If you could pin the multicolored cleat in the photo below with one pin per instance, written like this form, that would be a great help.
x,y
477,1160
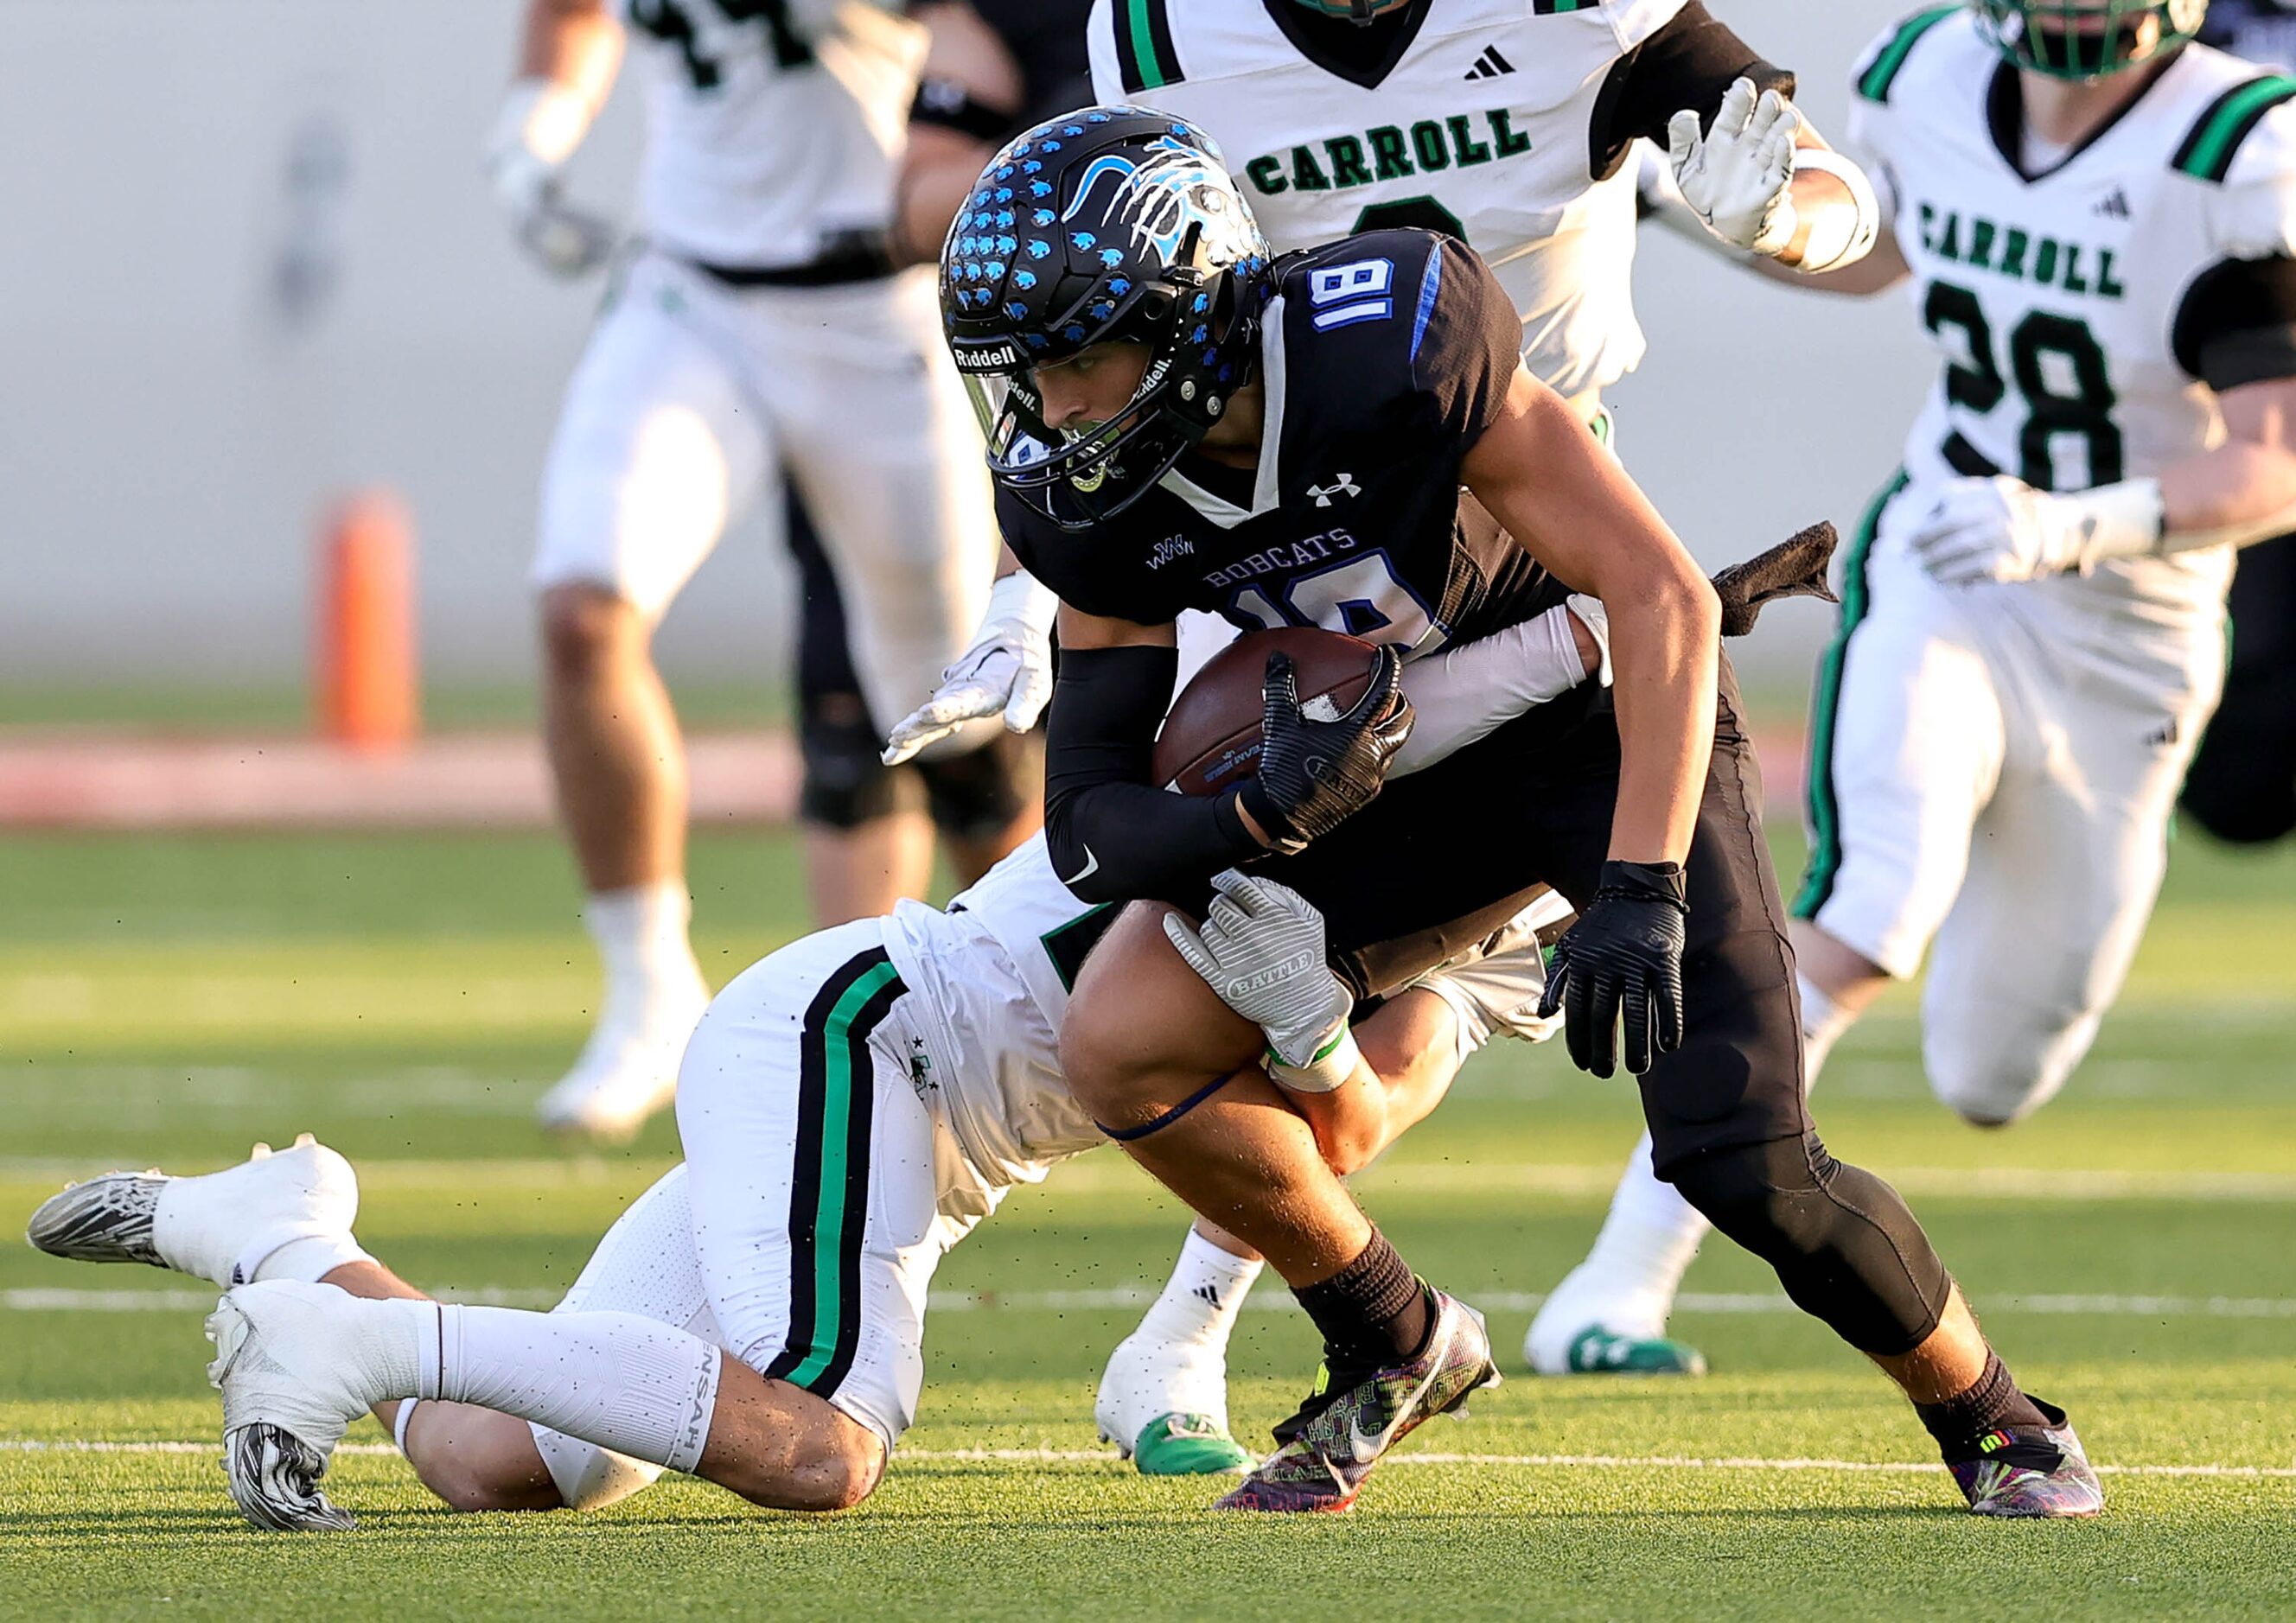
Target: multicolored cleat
x,y
2031,1471
1342,1431
1596,1351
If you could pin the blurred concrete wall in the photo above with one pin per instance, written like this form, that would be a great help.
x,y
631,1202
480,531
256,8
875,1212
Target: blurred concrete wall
x,y
247,259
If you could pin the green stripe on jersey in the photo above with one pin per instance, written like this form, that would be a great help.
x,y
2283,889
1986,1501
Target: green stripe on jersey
x,y
2208,152
1556,8
1874,83
1145,57
1825,811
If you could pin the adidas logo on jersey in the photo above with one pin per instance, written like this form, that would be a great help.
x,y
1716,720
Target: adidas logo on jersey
x,y
1489,65
2115,206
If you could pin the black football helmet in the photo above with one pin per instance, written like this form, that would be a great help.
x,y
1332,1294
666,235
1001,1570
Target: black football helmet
x,y
1111,223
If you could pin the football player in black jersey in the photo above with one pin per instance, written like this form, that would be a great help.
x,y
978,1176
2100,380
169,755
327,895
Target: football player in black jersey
x,y
2242,786
1184,425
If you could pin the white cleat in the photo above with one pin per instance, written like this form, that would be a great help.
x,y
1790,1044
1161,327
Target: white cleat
x,y
1164,1405
216,1227
627,1074
296,1364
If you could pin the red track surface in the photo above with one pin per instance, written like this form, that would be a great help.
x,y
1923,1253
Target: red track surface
x,y
103,780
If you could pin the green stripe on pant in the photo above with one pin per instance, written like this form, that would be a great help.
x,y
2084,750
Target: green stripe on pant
x,y
829,1185
1825,811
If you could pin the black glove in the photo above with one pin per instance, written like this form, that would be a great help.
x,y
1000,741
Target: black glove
x,y
1314,775
1623,955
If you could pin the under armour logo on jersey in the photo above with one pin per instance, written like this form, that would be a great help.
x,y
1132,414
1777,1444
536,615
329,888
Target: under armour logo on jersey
x,y
1489,65
1345,485
2115,205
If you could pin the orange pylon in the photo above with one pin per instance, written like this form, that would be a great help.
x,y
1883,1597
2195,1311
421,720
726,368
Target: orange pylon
x,y
365,672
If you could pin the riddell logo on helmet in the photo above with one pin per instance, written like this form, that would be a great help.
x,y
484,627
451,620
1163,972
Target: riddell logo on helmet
x,y
994,357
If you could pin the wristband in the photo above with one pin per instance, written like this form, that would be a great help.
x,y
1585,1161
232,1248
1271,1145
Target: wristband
x,y
1326,1073
1833,240
541,123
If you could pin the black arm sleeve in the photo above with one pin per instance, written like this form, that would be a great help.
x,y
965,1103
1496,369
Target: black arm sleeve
x,y
1113,835
1690,63
2237,324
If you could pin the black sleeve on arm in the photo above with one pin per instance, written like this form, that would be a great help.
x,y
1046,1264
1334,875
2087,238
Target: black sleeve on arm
x,y
1467,355
1690,63
2237,324
1113,834
948,104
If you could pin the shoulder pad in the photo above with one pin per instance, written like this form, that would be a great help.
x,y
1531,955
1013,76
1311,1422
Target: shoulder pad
x,y
2215,139
1877,70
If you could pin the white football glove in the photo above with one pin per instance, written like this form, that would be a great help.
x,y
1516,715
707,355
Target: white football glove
x,y
1262,948
1738,177
1008,670
540,124
2002,529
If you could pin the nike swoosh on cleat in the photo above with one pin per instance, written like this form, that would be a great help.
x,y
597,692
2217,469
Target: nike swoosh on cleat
x,y
1368,1448
1091,866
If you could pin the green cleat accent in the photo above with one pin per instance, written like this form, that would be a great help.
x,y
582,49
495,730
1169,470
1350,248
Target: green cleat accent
x,y
1596,1351
1188,1445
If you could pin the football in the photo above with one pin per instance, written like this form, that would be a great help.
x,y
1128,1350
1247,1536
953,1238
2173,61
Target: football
x,y
1211,738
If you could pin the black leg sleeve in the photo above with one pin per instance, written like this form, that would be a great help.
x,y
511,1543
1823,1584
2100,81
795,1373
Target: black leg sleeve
x,y
1844,1245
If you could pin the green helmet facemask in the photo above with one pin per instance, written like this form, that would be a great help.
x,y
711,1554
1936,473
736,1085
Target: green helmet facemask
x,y
2087,39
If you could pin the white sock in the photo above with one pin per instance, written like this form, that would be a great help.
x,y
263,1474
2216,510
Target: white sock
x,y
308,1260
642,934
1206,1291
629,1384
1822,1022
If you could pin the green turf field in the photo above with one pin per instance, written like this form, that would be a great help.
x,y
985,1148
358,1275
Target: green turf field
x,y
168,1000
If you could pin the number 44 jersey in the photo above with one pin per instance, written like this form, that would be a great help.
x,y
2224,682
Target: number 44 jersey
x,y
2087,308
773,126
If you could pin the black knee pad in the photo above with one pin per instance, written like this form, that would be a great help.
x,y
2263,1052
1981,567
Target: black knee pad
x,y
845,785
976,795
1843,1244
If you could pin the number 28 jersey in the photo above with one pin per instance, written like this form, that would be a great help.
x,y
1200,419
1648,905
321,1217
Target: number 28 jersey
x,y
2074,308
773,126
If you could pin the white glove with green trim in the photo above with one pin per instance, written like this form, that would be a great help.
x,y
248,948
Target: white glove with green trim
x,y
1262,948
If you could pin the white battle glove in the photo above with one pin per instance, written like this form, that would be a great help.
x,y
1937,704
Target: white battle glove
x,y
1738,177
1008,670
1262,948
540,124
2002,529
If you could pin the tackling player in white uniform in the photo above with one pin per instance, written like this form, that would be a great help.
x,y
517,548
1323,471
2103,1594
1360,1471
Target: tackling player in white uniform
x,y
760,327
1506,123
851,1106
2096,221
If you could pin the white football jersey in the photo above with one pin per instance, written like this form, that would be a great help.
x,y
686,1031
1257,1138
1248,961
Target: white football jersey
x,y
773,129
994,972
2053,301
1481,127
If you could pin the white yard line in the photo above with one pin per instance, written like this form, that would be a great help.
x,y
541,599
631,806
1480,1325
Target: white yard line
x,y
56,1300
1102,1456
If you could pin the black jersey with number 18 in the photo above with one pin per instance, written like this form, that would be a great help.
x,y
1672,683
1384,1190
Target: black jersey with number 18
x,y
1383,358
